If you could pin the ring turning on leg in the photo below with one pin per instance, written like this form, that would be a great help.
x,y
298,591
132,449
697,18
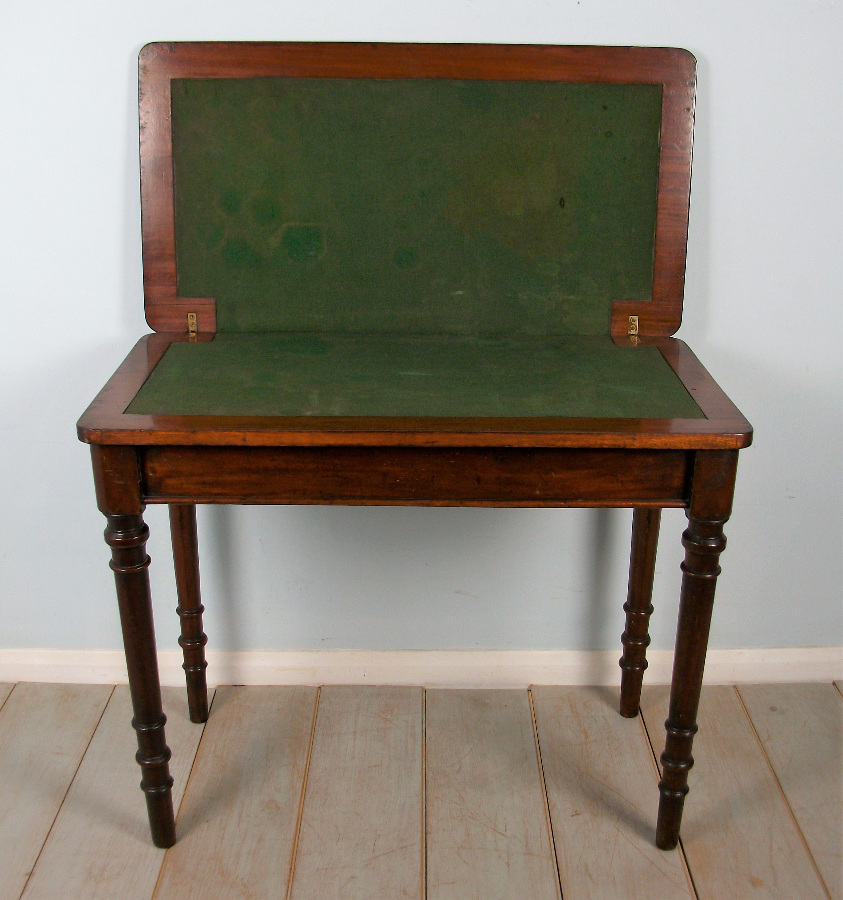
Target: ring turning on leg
x,y
190,609
638,607
127,536
704,542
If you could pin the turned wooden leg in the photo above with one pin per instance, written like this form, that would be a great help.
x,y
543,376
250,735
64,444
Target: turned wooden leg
x,y
190,609
127,535
638,607
711,502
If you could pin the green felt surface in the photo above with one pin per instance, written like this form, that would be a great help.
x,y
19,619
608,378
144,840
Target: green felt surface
x,y
414,205
405,375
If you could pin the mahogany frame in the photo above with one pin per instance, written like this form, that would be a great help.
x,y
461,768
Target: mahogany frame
x,y
646,464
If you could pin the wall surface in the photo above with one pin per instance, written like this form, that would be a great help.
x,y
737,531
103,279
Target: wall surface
x,y
762,310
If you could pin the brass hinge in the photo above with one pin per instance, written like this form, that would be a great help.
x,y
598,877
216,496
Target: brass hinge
x,y
632,329
191,326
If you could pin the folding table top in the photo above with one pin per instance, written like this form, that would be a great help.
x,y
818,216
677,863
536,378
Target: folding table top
x,y
356,232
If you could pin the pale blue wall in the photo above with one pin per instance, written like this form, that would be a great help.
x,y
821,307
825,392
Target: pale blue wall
x,y
763,310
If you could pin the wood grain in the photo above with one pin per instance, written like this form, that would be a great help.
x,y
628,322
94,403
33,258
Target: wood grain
x,y
44,732
488,834
415,475
602,791
738,835
99,847
801,729
361,827
238,818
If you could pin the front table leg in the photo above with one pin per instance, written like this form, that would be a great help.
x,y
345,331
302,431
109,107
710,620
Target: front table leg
x,y
127,536
711,502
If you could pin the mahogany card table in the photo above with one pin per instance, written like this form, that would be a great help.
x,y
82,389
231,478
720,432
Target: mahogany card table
x,y
419,275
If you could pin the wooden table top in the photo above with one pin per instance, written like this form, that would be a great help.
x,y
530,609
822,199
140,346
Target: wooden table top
x,y
711,421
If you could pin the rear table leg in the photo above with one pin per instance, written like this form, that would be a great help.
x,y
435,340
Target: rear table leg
x,y
638,607
190,609
127,536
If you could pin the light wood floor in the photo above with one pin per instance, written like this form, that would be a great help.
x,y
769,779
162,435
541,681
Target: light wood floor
x,y
393,792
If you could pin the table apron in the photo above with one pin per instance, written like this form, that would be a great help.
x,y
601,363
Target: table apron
x,y
416,475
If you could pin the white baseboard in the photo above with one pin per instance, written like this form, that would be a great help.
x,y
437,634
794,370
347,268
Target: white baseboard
x,y
433,668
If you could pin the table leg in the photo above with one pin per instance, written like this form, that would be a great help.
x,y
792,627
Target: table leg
x,y
710,507
638,607
190,608
127,536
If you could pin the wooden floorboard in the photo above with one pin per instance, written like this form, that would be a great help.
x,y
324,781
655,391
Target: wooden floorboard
x,y
738,835
99,847
488,837
44,732
356,773
361,827
602,790
237,820
800,727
